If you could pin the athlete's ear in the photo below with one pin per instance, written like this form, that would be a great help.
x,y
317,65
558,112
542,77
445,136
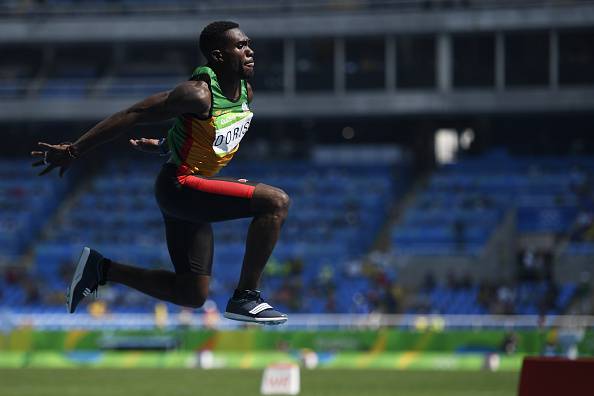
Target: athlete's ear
x,y
217,56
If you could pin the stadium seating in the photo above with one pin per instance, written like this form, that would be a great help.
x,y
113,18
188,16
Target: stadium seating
x,y
525,298
335,215
26,203
464,203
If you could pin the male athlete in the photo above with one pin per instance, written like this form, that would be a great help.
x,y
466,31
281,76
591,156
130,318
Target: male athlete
x,y
211,117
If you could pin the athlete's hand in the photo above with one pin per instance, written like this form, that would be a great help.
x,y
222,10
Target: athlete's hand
x,y
55,156
146,145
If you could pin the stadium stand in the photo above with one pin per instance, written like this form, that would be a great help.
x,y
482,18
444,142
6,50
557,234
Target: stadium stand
x,y
26,203
324,261
465,202
57,7
18,67
321,263
337,212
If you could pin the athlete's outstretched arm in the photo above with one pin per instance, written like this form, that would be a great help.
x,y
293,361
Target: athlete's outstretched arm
x,y
188,97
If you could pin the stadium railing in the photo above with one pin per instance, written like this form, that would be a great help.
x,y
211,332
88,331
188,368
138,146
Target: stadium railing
x,y
66,321
90,7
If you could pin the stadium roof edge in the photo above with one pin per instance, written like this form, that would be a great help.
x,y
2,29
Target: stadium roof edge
x,y
186,27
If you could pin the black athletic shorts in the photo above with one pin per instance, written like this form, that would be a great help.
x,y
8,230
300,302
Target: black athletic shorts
x,y
189,204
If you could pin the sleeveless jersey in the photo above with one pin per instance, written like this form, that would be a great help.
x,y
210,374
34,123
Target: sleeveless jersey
x,y
204,146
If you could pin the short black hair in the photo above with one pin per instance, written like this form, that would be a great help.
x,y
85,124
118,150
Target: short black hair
x,y
213,35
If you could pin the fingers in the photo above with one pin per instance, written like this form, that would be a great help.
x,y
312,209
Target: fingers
x,y
141,141
56,158
49,168
49,146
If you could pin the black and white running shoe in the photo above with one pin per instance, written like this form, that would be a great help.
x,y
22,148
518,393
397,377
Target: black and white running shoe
x,y
248,306
87,278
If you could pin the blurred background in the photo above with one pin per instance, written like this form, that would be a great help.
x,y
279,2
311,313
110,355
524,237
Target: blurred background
x,y
438,153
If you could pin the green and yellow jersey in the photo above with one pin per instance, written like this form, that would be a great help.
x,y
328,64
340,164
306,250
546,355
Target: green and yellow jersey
x,y
204,146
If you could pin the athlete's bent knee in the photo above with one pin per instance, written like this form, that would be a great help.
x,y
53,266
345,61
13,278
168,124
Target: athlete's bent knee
x,y
190,292
195,301
271,201
280,202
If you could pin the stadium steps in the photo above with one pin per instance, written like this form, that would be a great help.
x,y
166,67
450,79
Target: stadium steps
x,y
497,249
52,224
398,209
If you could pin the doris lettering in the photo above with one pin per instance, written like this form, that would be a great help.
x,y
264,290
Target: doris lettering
x,y
226,139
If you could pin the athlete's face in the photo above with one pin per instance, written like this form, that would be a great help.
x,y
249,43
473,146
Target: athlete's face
x,y
239,57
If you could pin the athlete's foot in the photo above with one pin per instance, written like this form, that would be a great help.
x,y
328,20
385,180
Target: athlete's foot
x,y
87,278
248,306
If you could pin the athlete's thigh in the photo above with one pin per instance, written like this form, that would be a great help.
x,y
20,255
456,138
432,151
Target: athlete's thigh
x,y
215,199
226,198
199,199
191,246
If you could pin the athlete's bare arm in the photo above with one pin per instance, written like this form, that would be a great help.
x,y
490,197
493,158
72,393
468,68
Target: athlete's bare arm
x,y
152,145
188,97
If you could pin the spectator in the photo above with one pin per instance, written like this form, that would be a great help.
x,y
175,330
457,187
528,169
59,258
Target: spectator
x,y
510,343
459,231
428,282
505,300
31,289
549,300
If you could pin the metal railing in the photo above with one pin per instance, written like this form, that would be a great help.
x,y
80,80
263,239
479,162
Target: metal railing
x,y
52,321
240,7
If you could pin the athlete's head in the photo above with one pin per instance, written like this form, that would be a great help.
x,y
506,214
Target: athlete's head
x,y
225,46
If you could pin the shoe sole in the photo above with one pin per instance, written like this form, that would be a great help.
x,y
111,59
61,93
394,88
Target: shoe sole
x,y
80,268
266,321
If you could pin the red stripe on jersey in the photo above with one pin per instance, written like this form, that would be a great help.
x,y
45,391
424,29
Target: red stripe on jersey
x,y
187,146
221,187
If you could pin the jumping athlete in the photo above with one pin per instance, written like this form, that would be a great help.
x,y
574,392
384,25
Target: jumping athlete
x,y
212,115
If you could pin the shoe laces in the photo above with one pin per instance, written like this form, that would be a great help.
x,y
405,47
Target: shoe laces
x,y
253,295
88,291
95,289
